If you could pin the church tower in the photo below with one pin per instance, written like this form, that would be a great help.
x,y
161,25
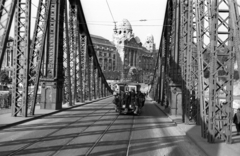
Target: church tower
x,y
149,43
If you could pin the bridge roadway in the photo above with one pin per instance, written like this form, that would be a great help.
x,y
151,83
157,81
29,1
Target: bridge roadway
x,y
96,129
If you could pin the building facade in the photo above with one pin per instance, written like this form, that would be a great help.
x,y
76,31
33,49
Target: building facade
x,y
8,57
107,57
136,62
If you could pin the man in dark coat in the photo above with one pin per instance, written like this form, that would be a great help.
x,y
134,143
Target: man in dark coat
x,y
236,120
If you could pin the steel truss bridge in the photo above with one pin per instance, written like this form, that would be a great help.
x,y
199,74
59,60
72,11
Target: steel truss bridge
x,y
198,48
60,56
198,37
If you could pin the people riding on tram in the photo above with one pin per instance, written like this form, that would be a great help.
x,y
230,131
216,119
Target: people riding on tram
x,y
129,98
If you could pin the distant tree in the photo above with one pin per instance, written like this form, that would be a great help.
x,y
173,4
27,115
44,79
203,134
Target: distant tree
x,y
4,78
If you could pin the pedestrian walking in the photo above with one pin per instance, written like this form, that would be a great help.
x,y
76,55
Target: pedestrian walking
x,y
236,120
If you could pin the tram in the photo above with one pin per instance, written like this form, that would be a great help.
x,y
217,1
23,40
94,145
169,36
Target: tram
x,y
128,98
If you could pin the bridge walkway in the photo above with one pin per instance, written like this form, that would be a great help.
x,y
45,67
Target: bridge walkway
x,y
96,129
193,132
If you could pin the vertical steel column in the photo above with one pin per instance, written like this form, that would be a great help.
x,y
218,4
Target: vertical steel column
x,y
67,61
52,81
94,80
6,17
74,54
195,68
167,37
87,79
94,77
79,57
100,86
37,51
173,41
192,66
104,90
221,75
173,73
83,51
97,83
103,86
188,65
185,44
21,58
203,45
160,72
163,60
182,41
90,75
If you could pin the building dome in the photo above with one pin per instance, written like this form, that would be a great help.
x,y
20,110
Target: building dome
x,y
124,24
137,39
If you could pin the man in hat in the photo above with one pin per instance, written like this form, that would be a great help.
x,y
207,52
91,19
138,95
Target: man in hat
x,y
236,120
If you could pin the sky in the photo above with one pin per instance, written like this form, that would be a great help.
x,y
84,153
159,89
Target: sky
x,y
100,17
100,21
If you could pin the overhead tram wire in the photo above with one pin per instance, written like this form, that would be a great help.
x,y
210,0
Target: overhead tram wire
x,y
111,14
34,5
139,20
113,25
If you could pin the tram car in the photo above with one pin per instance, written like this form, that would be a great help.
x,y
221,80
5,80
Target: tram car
x,y
128,98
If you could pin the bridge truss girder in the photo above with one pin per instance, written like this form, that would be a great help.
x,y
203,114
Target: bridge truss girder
x,y
61,59
208,41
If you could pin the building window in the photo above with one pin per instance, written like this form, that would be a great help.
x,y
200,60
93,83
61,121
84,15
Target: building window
x,y
100,61
114,66
105,54
113,56
110,64
100,53
105,64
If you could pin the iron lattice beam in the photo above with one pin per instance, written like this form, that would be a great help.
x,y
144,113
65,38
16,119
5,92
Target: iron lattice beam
x,y
74,52
185,34
221,73
53,76
37,51
21,58
69,64
203,49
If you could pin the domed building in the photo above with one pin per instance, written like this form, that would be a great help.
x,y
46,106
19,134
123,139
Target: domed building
x,y
132,53
124,53
122,31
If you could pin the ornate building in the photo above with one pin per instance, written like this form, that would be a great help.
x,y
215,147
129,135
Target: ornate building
x,y
107,57
136,61
8,57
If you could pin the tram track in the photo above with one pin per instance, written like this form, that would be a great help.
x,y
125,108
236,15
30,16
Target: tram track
x,y
98,140
100,137
130,137
105,131
48,135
